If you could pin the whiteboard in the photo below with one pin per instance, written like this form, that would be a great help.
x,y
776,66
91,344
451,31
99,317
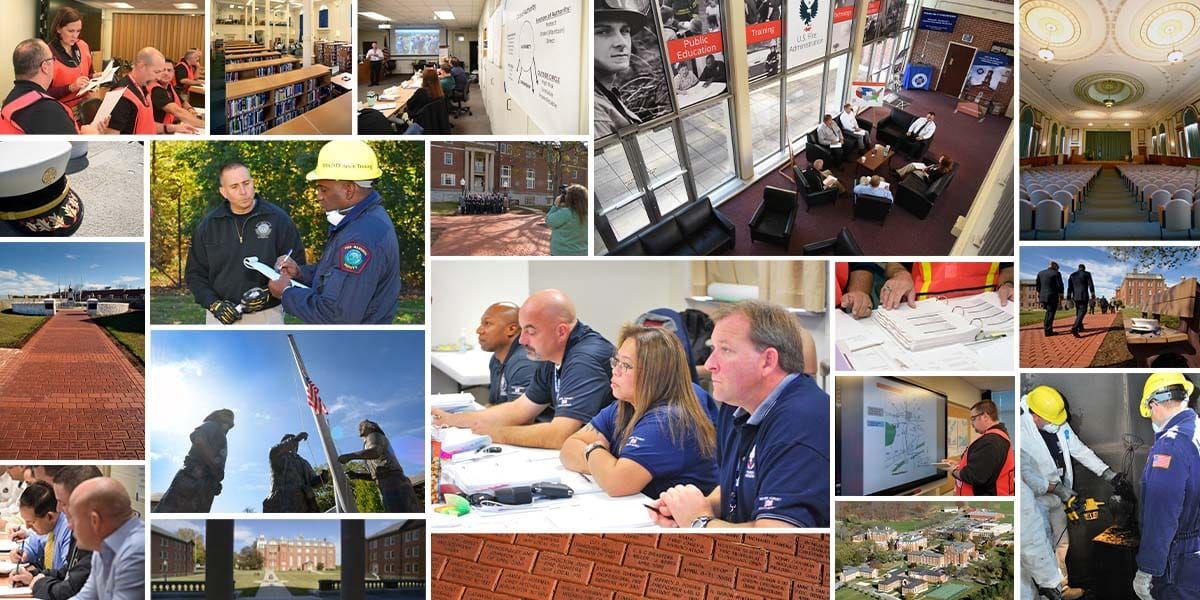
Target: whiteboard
x,y
494,48
541,61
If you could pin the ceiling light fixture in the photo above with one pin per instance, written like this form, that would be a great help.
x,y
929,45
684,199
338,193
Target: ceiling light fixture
x,y
1175,56
1089,124
1127,124
124,5
444,15
186,6
385,26
1046,54
375,16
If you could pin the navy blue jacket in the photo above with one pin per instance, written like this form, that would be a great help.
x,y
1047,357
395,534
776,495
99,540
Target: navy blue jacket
x,y
1170,546
357,279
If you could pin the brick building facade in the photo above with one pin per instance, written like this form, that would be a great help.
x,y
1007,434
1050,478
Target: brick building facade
x,y
518,168
297,554
1138,289
397,552
931,47
170,555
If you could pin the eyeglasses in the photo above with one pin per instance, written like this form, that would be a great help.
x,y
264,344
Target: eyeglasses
x,y
619,366
973,417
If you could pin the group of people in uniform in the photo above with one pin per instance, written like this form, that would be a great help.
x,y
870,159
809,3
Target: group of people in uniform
x,y
51,96
356,280
634,417
483,204
294,482
1168,555
62,516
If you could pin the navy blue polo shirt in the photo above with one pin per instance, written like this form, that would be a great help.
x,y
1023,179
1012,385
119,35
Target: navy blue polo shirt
x,y
669,462
774,463
510,379
579,388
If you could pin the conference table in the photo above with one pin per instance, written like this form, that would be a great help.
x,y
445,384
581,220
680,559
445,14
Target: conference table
x,y
864,345
6,588
391,101
467,369
590,508
331,118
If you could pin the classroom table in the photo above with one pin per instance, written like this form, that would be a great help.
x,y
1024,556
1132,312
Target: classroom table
x,y
331,118
590,509
392,100
995,354
197,94
467,369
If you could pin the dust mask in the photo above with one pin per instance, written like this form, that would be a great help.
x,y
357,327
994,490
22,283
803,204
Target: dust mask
x,y
1050,428
334,217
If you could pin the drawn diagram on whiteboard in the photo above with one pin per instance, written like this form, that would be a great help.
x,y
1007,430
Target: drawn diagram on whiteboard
x,y
526,64
899,427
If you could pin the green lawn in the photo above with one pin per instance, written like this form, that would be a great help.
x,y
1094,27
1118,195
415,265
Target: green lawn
x,y
246,582
847,593
170,306
16,329
1032,317
129,329
951,589
445,209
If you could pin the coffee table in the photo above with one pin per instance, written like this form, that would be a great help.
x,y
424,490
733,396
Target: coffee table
x,y
872,161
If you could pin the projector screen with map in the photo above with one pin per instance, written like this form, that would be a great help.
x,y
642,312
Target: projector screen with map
x,y
416,42
891,433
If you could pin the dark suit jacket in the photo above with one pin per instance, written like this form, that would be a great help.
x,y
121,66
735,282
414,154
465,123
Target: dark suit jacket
x,y
64,583
1049,286
1081,287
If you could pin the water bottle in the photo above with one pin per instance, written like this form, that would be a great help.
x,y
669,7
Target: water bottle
x,y
371,98
462,340
887,149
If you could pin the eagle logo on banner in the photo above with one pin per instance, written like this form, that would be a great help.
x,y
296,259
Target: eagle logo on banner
x,y
808,12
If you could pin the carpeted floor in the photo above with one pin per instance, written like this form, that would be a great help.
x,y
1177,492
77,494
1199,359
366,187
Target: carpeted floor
x,y
1110,212
965,140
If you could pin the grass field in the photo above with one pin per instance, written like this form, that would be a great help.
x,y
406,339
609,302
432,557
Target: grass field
x,y
16,329
443,208
846,593
169,306
297,582
129,329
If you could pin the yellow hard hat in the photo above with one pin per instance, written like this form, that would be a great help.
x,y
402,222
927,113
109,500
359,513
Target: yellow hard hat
x,y
1158,381
346,160
1048,404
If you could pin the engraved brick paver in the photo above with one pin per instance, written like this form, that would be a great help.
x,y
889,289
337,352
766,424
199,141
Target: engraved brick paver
x,y
72,384
675,566
1065,350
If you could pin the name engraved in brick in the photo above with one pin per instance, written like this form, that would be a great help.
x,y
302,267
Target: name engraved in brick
x,y
620,579
560,566
795,567
470,574
695,545
652,559
714,573
666,587
573,591
594,547
526,585
773,543
544,541
457,546
507,556
741,555
764,584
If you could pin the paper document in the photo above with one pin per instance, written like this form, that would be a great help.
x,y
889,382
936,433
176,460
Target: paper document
x,y
983,310
452,402
458,439
932,323
107,106
919,166
835,145
251,262
20,592
109,72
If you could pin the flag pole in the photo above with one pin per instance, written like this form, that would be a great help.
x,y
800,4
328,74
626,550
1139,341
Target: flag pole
x,y
343,500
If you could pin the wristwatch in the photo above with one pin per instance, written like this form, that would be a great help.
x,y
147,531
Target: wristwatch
x,y
701,521
587,450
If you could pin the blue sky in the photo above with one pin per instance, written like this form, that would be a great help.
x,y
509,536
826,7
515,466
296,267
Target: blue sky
x,y
38,268
1107,273
245,531
361,374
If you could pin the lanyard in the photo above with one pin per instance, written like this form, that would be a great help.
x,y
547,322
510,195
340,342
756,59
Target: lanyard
x,y
745,443
556,384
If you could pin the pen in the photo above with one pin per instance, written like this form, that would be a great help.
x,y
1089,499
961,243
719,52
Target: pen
x,y
651,507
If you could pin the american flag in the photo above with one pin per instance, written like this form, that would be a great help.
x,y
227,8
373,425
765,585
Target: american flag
x,y
314,397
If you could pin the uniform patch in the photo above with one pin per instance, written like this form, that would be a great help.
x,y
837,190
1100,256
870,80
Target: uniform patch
x,y
354,257
1161,461
262,230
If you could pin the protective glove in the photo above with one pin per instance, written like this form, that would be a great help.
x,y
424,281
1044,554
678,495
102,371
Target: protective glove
x,y
1141,585
224,311
1063,492
1108,475
1119,481
256,299
1050,593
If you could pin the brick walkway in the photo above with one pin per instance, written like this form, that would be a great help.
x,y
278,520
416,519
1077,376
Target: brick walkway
x,y
670,566
72,394
1065,350
509,234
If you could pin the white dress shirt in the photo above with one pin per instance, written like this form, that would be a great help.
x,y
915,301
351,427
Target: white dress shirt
x,y
848,120
922,128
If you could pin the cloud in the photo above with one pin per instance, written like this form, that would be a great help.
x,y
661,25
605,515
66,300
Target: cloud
x,y
93,266
70,256
243,536
127,279
14,283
